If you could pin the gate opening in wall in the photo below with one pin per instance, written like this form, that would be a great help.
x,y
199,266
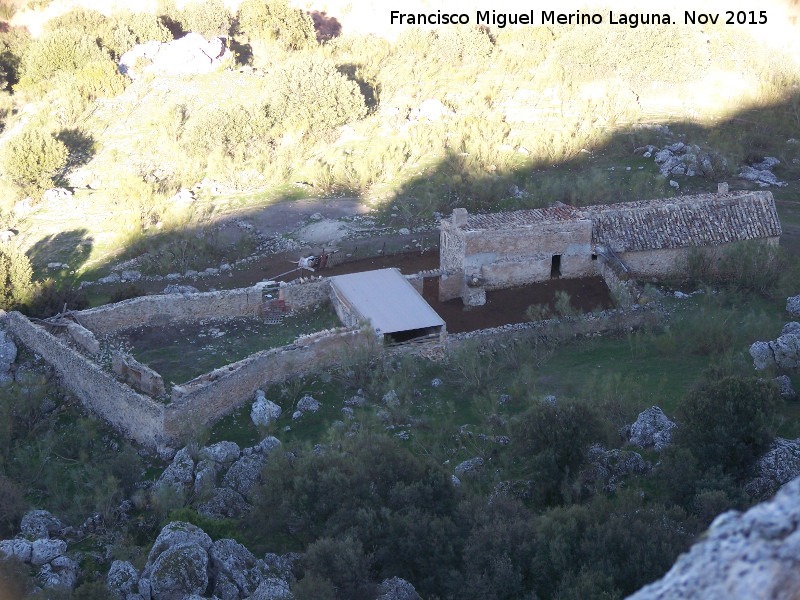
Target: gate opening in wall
x,y
555,266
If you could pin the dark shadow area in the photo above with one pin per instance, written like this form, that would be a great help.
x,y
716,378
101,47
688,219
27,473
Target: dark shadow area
x,y
81,146
242,52
368,90
174,27
69,247
326,27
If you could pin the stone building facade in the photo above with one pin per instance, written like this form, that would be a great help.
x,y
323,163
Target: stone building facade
x,y
646,239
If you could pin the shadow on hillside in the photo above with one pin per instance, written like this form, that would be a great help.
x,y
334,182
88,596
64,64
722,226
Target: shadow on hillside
x,y
326,27
600,176
69,247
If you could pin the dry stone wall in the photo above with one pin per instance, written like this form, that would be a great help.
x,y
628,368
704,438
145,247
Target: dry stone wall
x,y
137,416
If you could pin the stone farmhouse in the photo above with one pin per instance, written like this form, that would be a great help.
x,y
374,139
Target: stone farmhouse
x,y
645,239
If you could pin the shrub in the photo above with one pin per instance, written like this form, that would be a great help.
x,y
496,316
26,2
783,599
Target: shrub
x,y
228,129
209,18
312,93
126,292
32,158
97,79
49,298
12,507
60,51
729,422
342,562
15,277
276,21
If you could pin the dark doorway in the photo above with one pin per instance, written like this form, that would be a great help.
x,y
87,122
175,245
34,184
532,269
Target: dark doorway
x,y
555,267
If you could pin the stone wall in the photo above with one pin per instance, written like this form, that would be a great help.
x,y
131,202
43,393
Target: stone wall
x,y
135,415
211,396
161,309
306,293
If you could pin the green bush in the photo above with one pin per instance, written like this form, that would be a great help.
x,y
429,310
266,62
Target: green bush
x,y
63,50
729,422
32,158
342,562
49,298
97,79
12,507
312,94
229,129
15,277
209,18
14,43
276,21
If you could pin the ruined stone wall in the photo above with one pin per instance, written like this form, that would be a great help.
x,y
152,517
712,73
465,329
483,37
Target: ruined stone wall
x,y
620,290
309,292
137,416
161,309
212,396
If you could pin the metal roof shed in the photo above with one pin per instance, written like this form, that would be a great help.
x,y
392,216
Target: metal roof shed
x,y
388,301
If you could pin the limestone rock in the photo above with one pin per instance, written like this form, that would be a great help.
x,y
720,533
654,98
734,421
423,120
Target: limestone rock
x,y
221,453
122,579
205,476
237,564
264,411
750,556
8,352
652,429
308,404
191,54
174,534
56,194
390,399
44,550
267,445
780,464
793,327
281,565
224,503
245,474
272,589
786,349
38,524
179,571
785,385
469,467
793,305
174,288
180,473
763,357
62,572
397,589
18,548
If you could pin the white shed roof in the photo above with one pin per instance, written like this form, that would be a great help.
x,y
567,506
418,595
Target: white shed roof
x,y
386,299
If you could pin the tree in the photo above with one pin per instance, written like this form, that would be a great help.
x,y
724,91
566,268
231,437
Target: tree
x,y
209,18
15,277
276,21
62,50
32,158
729,423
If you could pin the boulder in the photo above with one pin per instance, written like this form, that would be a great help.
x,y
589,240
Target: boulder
x,y
786,349
174,534
397,589
780,464
785,386
235,563
267,445
763,358
469,467
245,473
793,327
272,589
130,275
38,524
264,412
18,548
8,352
652,429
224,503
221,453
762,177
390,399
179,571
122,579
190,54
180,473
44,550
205,477
281,565
742,556
62,572
308,404
793,305
56,194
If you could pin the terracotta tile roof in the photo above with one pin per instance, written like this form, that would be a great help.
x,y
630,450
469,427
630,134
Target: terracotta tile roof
x,y
523,218
702,220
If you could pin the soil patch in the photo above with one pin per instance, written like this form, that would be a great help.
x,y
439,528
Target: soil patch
x,y
508,306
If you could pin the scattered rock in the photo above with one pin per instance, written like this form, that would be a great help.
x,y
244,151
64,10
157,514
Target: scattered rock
x,y
122,579
272,589
308,404
348,413
113,278
762,355
183,195
793,306
62,572
264,412
245,473
179,571
356,401
397,589
267,445
8,352
130,275
18,548
780,464
177,533
224,503
390,399
761,173
235,562
56,194
180,473
652,429
749,556
469,467
221,453
37,524
430,109
785,384
44,550
436,382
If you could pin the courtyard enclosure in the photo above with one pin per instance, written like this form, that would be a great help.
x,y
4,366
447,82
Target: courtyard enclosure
x,y
646,239
388,302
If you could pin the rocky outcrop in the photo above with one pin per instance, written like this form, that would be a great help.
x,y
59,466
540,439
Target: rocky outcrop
x,y
397,589
761,172
652,429
178,571
264,411
37,524
191,54
8,352
782,352
780,464
743,556
122,579
469,467
180,473
685,159
785,385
